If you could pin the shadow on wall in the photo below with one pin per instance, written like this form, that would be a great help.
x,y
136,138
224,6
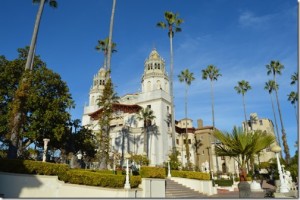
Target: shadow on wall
x,y
12,186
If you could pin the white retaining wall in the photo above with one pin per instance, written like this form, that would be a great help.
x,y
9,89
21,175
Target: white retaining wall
x,y
42,186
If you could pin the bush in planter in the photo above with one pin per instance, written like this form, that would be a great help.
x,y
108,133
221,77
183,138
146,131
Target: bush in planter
x,y
191,175
31,167
98,179
152,172
223,182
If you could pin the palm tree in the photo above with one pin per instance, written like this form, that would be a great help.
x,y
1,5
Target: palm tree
x,y
110,43
242,146
52,3
212,73
271,86
147,115
242,88
274,68
103,46
293,98
187,77
172,23
294,78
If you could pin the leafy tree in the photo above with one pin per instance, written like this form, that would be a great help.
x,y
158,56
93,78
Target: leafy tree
x,y
173,24
103,46
270,86
146,115
174,162
275,67
20,97
187,77
103,137
43,114
242,88
84,141
242,146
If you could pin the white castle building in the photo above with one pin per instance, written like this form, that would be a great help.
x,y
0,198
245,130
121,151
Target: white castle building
x,y
126,129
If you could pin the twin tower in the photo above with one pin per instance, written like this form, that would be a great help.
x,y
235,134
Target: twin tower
x,y
127,131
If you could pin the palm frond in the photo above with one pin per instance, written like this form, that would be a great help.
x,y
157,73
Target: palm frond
x,y
53,3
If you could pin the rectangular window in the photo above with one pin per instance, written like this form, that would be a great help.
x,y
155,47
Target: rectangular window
x,y
190,142
260,122
184,141
177,141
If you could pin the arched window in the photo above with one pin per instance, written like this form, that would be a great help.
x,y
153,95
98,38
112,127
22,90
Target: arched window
x,y
148,86
158,66
92,100
158,84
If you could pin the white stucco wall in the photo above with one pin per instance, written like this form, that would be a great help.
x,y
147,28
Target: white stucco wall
x,y
40,186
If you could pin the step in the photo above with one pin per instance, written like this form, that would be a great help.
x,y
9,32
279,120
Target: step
x,y
176,190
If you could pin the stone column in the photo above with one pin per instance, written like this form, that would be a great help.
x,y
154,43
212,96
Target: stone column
x,y
46,140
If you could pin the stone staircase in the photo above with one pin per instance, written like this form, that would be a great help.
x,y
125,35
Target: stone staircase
x,y
176,190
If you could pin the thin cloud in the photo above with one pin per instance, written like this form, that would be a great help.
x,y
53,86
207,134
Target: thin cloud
x,y
249,19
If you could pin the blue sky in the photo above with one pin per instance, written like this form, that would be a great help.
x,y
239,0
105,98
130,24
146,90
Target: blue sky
x,y
238,36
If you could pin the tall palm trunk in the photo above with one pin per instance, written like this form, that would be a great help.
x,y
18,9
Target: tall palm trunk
x,y
213,118
146,138
171,93
284,141
296,114
34,36
245,115
275,119
187,149
212,104
110,35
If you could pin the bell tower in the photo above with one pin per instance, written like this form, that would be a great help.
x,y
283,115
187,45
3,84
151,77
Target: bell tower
x,y
95,92
155,77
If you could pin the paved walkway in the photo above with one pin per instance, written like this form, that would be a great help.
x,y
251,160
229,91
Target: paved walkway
x,y
235,195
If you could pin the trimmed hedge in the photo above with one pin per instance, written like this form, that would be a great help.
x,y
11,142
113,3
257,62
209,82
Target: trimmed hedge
x,y
102,178
152,172
98,179
32,167
223,182
191,175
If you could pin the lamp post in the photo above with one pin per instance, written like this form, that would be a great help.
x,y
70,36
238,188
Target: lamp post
x,y
169,169
46,140
283,188
127,184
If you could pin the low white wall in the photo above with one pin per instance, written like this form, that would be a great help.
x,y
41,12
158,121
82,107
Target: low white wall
x,y
202,186
153,188
41,186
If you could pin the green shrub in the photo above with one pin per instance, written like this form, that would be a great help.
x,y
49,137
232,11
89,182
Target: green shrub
x,y
191,175
223,182
102,178
152,172
98,179
31,167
